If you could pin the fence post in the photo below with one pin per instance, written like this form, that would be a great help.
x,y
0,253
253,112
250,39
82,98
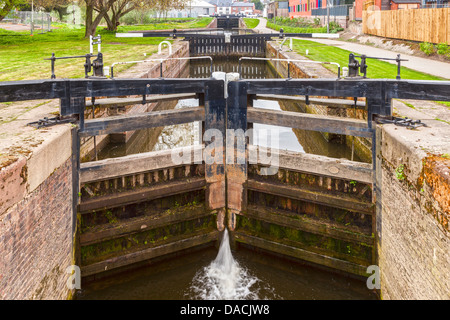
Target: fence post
x,y
32,18
328,18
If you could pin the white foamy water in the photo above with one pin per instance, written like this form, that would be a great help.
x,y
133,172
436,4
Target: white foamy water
x,y
225,279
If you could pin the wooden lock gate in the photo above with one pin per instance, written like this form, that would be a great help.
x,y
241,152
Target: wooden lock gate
x,y
138,207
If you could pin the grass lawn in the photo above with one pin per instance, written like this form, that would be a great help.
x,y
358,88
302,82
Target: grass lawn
x,y
21,55
377,69
251,23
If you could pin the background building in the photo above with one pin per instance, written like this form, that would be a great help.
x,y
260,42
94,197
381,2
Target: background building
x,y
242,8
223,7
194,8
277,9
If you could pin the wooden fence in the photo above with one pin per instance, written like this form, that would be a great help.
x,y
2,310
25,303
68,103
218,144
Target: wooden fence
x,y
423,25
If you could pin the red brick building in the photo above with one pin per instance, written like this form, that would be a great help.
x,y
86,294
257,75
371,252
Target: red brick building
x,y
385,5
302,8
242,7
405,4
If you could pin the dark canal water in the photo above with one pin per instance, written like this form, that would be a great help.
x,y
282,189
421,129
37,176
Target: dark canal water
x,y
223,274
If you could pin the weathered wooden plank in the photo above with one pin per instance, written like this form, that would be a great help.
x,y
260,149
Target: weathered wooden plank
x,y
32,90
214,138
142,162
142,224
369,88
122,102
315,87
76,88
299,222
341,103
322,198
124,123
305,121
149,253
142,194
309,256
52,89
316,164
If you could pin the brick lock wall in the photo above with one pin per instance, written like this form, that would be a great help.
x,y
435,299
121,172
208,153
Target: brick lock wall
x,y
414,239
414,252
35,241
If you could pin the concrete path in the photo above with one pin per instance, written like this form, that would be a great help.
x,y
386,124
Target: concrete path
x,y
261,27
433,67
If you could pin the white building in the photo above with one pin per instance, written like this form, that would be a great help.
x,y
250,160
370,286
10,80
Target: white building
x,y
223,6
193,9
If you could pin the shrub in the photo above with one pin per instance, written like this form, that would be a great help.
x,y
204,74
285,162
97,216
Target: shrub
x,y
335,27
427,48
443,49
136,17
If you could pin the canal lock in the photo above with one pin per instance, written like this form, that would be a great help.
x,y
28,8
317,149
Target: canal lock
x,y
127,221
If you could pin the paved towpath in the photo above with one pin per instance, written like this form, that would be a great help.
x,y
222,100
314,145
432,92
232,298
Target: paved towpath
x,y
433,67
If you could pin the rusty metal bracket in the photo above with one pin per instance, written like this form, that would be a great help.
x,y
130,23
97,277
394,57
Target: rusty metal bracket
x,y
403,122
48,122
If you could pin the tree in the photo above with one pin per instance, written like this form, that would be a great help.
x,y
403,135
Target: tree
x,y
60,6
95,12
258,4
113,10
118,9
7,5
164,6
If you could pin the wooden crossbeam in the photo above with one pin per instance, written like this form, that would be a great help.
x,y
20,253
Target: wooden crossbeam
x,y
300,253
141,224
296,221
150,252
305,121
122,102
316,164
299,193
340,103
136,195
137,163
146,120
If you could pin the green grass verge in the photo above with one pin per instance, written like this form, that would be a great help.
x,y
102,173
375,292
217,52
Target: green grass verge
x,y
287,29
445,103
251,23
377,69
22,56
